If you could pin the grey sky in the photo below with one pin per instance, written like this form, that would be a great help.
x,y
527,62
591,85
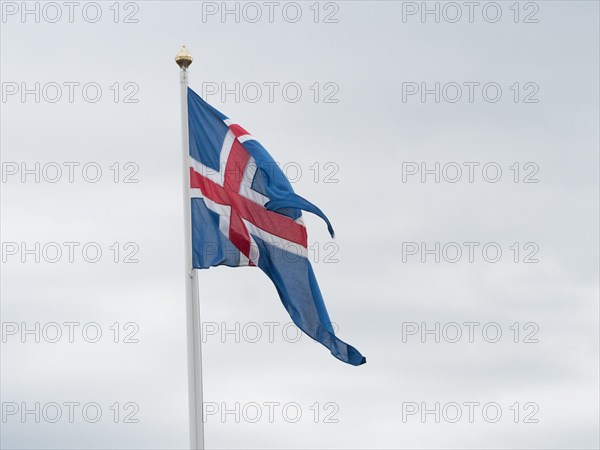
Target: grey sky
x,y
361,132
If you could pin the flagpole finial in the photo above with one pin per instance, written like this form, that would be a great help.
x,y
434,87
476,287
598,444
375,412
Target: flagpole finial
x,y
183,58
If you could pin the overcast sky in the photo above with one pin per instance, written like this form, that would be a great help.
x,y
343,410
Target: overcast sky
x,y
364,104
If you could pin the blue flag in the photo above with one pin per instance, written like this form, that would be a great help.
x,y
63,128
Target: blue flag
x,y
245,213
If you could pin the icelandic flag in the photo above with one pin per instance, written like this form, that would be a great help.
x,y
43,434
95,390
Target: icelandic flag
x,y
245,213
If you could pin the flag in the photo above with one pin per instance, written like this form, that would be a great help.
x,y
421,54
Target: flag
x,y
245,213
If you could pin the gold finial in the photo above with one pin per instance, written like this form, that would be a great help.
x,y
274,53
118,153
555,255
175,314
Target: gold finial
x,y
183,58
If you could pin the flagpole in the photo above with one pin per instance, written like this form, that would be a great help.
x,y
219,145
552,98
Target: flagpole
x,y
183,60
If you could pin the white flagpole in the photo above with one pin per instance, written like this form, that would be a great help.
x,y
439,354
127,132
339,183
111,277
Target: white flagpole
x,y
183,60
